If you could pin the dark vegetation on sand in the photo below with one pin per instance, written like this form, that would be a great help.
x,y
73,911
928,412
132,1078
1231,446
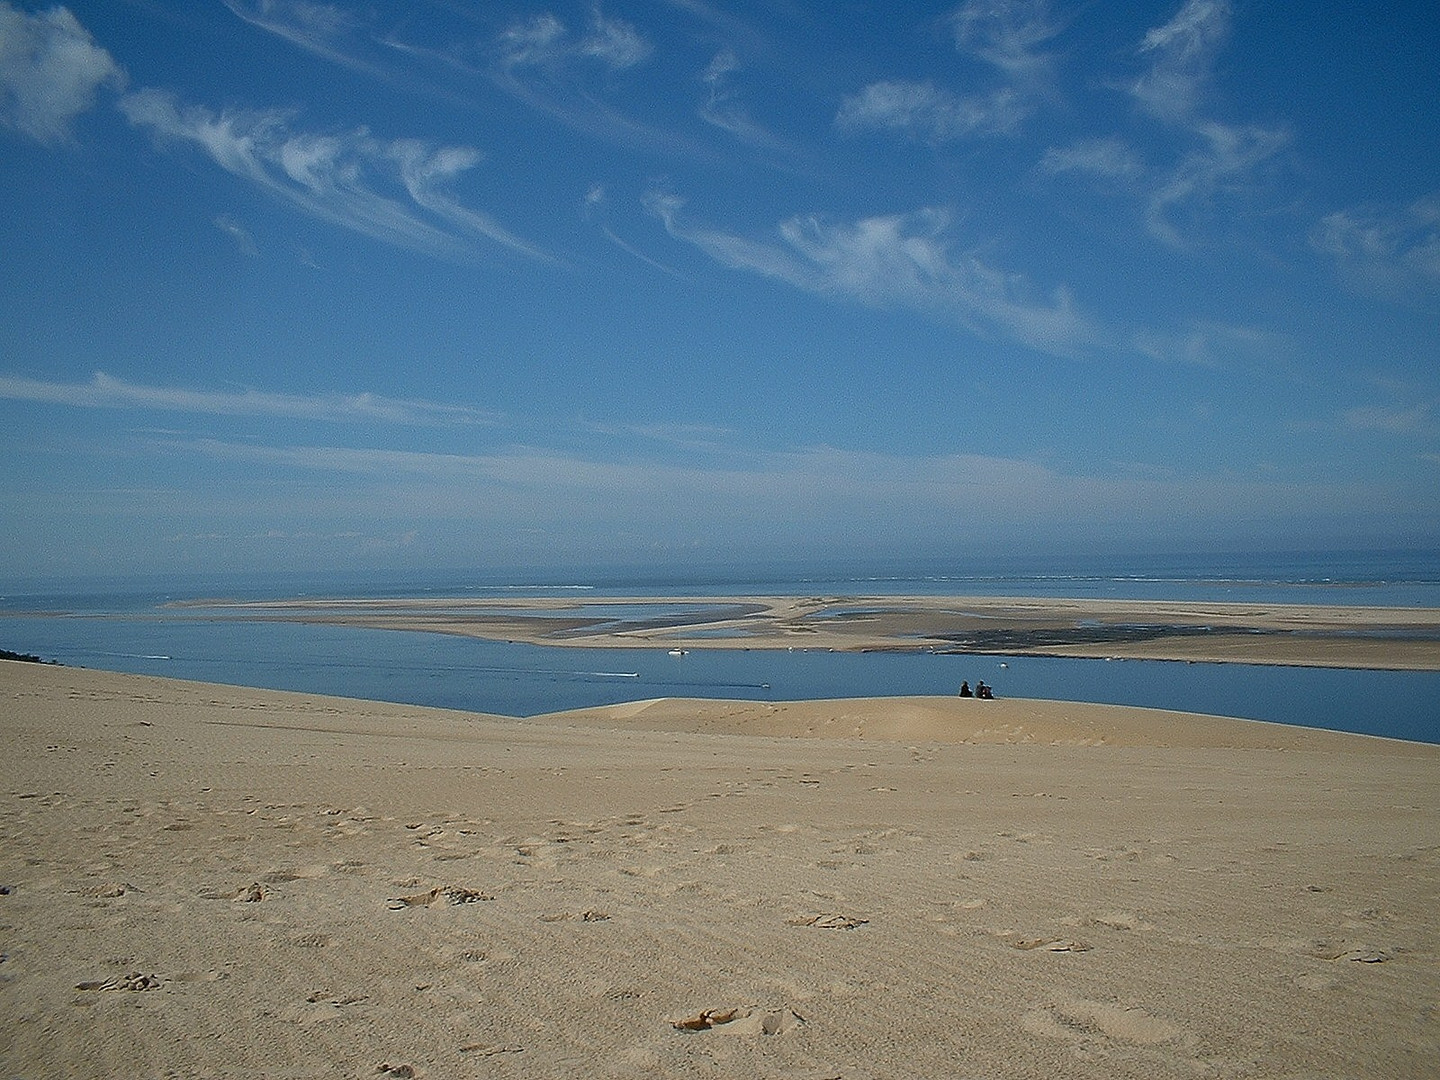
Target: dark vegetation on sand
x,y
28,658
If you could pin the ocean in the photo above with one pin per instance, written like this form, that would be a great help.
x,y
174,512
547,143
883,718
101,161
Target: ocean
x,y
126,625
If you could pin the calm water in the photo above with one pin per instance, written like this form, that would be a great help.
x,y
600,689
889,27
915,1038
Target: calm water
x,y
125,627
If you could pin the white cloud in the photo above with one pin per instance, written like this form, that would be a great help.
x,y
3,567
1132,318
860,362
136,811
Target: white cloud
x,y
314,27
1110,158
50,70
237,232
595,206
899,260
720,108
692,438
544,40
617,44
1006,33
103,391
1213,345
721,66
1186,200
376,463
337,177
542,64
1224,165
1415,419
1393,252
815,494
1003,33
425,171
1181,53
304,19
928,112
535,41
723,110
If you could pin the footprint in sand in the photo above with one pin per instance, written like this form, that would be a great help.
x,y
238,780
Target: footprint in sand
x,y
1050,944
109,891
491,1049
587,915
246,894
1079,1018
742,1020
828,921
1122,920
449,894
133,981
1344,950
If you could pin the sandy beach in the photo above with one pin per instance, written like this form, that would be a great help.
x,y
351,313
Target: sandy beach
x,y
1298,634
212,881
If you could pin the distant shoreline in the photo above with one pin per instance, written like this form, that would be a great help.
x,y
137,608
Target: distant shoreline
x,y
1374,638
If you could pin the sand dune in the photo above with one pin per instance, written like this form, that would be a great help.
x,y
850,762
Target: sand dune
x,y
211,881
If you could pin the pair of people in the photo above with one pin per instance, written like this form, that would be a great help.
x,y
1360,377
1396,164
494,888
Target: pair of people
x,y
981,690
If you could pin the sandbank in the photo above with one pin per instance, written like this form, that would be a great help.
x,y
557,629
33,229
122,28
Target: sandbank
x,y
1294,634
202,880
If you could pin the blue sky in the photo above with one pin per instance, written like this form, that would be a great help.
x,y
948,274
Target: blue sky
x,y
291,284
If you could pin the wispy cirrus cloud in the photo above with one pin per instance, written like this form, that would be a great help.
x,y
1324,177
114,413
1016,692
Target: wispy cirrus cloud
x,y
898,260
1389,251
1213,344
237,232
615,43
539,40
1213,161
545,41
539,60
722,107
326,30
710,439
1007,34
105,392
723,25
351,179
929,113
719,107
595,206
1224,164
546,66
1413,418
1109,158
815,492
1181,54
50,71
